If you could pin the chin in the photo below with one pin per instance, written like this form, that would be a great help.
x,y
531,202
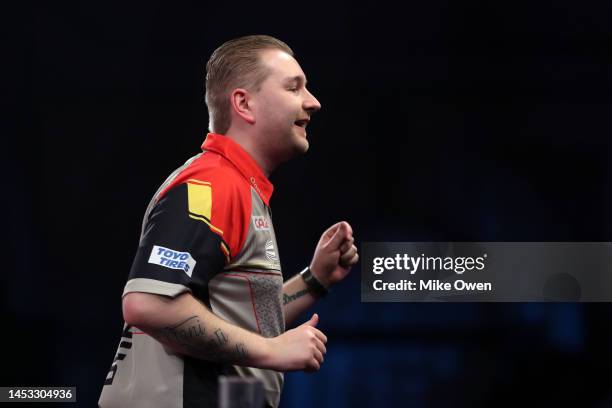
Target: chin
x,y
295,145
291,151
300,144
303,146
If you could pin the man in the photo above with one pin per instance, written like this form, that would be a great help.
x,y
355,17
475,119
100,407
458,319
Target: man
x,y
205,295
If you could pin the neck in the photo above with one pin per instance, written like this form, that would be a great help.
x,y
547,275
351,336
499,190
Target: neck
x,y
249,144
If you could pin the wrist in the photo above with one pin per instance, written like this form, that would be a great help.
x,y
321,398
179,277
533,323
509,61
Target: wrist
x,y
322,279
315,286
263,353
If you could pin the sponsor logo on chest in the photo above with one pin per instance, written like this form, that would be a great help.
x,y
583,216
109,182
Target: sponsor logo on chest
x,y
261,223
172,259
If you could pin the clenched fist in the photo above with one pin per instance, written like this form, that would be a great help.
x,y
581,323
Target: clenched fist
x,y
335,254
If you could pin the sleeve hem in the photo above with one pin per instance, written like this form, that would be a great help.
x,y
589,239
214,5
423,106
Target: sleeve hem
x,y
154,286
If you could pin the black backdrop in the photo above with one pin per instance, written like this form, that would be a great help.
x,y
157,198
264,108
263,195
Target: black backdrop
x,y
472,120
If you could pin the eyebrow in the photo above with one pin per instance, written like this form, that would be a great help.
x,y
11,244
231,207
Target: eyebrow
x,y
298,79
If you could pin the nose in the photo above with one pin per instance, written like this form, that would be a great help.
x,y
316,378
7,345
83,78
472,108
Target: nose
x,y
310,103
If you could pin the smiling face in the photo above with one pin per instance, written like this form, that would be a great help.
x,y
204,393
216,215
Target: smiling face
x,y
282,107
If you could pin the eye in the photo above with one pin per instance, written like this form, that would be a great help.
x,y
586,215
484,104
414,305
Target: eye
x,y
294,89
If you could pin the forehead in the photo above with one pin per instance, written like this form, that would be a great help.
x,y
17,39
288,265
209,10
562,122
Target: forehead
x,y
282,66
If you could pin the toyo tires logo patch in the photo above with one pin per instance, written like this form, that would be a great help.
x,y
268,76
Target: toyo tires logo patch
x,y
172,259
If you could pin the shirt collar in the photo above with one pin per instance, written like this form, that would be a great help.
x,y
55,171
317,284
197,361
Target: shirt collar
x,y
245,164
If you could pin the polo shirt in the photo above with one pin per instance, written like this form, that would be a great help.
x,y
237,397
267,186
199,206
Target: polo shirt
x,y
208,231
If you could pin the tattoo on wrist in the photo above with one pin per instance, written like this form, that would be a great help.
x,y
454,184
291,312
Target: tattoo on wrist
x,y
290,298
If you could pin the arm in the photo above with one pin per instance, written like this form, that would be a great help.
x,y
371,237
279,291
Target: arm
x,y
296,298
334,256
188,327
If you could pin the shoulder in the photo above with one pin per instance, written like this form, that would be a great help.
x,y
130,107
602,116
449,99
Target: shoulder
x,y
217,194
211,169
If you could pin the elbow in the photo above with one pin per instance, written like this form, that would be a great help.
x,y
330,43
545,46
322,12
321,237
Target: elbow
x,y
138,309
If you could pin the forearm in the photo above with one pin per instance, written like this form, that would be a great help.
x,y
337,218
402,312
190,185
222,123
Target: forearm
x,y
188,327
296,298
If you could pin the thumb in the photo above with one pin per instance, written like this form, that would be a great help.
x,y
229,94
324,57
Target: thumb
x,y
338,237
313,320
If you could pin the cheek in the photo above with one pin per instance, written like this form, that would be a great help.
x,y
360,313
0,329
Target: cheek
x,y
267,109
275,115
275,111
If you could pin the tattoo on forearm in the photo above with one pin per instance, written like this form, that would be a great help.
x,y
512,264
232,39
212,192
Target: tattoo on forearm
x,y
241,352
184,332
191,335
220,337
223,350
296,295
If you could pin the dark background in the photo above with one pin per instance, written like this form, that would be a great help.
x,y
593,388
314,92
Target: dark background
x,y
458,121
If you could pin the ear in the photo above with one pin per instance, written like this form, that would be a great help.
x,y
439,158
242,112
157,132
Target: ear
x,y
241,104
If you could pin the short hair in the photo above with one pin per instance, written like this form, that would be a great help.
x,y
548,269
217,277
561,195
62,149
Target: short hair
x,y
235,64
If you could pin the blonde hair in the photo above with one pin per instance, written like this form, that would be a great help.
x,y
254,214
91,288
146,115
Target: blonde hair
x,y
235,64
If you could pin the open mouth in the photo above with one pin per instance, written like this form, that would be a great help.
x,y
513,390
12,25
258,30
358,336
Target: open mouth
x,y
301,123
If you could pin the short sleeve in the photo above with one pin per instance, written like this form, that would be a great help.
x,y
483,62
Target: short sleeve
x,y
180,249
